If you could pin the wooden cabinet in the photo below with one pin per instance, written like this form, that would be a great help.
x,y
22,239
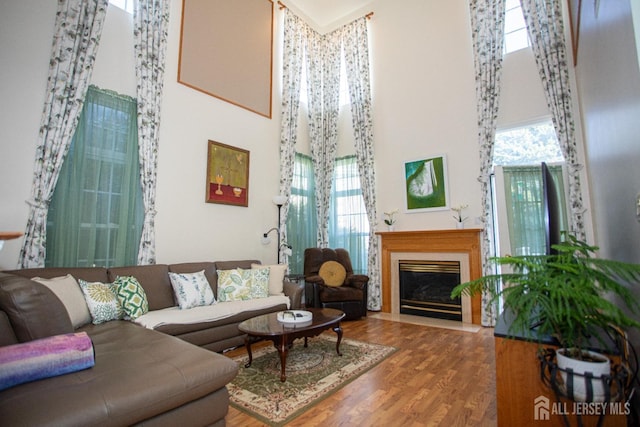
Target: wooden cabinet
x,y
520,392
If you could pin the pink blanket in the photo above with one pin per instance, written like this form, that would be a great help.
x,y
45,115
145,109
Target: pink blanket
x,y
43,358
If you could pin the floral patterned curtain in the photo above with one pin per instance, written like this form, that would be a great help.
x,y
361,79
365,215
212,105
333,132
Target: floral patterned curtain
x,y
75,42
323,94
292,56
151,21
487,26
546,31
356,51
323,83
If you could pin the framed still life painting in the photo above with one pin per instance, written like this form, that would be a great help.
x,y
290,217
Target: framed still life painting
x,y
227,175
426,184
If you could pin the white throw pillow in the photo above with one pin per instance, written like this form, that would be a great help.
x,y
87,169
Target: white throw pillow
x,y
191,289
68,291
276,277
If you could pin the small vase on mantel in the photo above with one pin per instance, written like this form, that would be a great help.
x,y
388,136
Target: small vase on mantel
x,y
459,225
390,227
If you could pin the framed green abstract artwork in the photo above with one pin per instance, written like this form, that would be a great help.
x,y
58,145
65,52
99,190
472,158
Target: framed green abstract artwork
x,y
426,187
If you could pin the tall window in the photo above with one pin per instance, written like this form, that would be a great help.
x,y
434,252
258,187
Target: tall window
x,y
527,145
348,223
301,219
524,207
96,213
518,186
344,85
515,28
123,4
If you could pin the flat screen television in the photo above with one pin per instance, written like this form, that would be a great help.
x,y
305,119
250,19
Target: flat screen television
x,y
551,210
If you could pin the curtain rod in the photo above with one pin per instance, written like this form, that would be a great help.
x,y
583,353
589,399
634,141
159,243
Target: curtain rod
x,y
284,6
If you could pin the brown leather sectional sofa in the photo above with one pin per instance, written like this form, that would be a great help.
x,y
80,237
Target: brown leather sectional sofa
x,y
169,376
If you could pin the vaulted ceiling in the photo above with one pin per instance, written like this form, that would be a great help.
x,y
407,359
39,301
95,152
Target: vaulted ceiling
x,y
326,12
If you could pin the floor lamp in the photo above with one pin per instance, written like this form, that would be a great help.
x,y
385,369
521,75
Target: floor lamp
x,y
279,201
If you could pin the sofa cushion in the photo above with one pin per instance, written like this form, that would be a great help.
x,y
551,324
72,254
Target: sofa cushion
x,y
276,277
230,265
131,296
90,274
7,336
33,309
191,289
102,301
222,334
68,291
208,313
155,281
340,293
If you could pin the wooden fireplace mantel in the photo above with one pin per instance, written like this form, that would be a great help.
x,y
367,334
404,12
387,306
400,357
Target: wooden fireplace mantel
x,y
459,241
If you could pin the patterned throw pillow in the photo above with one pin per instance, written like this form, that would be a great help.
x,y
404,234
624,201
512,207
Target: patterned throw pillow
x,y
276,277
234,285
191,289
102,301
259,282
131,296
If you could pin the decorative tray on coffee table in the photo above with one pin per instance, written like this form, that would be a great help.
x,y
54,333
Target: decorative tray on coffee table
x,y
294,316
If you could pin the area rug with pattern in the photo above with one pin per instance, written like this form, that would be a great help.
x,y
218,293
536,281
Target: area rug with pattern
x,y
313,373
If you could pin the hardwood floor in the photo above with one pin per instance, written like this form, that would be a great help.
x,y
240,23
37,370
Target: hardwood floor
x,y
438,377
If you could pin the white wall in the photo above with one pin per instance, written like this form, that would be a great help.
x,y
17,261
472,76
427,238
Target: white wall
x,y
424,100
424,105
25,44
114,67
188,228
522,97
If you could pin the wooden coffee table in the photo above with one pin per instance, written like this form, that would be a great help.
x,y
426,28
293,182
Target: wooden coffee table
x,y
268,327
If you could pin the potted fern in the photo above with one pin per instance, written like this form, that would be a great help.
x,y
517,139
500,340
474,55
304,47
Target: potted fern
x,y
567,295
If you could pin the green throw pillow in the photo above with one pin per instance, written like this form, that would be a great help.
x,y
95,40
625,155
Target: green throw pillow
x,y
276,277
234,285
131,296
259,282
243,284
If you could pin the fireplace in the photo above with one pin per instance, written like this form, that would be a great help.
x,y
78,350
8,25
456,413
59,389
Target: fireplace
x,y
431,261
425,288
462,246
